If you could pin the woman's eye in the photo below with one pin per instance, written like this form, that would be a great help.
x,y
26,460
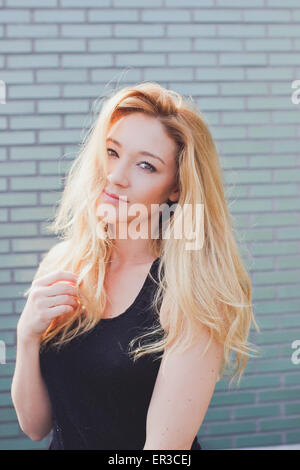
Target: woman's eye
x,y
110,150
150,168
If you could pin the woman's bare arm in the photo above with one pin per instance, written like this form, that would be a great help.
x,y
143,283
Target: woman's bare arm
x,y
182,395
51,295
29,393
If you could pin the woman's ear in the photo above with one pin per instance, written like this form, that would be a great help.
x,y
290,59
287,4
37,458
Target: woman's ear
x,y
174,195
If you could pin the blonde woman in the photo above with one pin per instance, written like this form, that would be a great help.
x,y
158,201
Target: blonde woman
x,y
79,370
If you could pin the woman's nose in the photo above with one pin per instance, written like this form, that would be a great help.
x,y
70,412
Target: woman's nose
x,y
118,175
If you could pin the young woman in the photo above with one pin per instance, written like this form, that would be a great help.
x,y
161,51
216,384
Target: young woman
x,y
98,292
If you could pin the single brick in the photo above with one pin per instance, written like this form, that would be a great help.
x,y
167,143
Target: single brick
x,y
276,220
271,162
113,45
240,3
217,16
267,73
277,307
61,76
257,411
113,15
275,366
137,3
9,169
254,205
35,122
284,59
231,428
37,152
87,3
288,291
211,443
23,444
280,424
290,321
63,106
287,3
78,121
287,175
292,408
14,46
166,45
272,190
217,45
217,415
293,437
267,16
58,136
24,76
30,3
57,16
190,30
4,277
32,214
17,137
50,198
60,45
220,103
33,61
86,30
9,430
17,107
140,59
232,398
243,59
31,31
11,260
77,91
288,262
285,116
15,16
193,58
259,440
36,183
244,89
54,168
166,15
24,244
241,30
86,60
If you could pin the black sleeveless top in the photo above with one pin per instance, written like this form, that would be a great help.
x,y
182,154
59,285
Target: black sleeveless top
x,y
99,397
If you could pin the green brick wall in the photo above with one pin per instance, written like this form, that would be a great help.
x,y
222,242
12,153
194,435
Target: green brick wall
x,y
237,59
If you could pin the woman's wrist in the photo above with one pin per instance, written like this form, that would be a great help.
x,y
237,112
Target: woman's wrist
x,y
28,339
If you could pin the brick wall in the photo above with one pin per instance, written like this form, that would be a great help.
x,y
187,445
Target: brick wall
x,y
238,60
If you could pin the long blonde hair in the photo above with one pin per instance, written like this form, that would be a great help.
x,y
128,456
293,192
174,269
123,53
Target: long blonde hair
x,y
208,287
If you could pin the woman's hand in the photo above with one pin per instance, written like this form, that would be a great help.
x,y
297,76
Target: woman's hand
x,y
51,295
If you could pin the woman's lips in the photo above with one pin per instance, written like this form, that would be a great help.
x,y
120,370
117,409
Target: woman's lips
x,y
115,199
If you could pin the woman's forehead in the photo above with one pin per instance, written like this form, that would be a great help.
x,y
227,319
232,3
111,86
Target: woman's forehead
x,y
142,134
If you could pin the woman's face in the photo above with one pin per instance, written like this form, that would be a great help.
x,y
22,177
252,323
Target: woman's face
x,y
134,173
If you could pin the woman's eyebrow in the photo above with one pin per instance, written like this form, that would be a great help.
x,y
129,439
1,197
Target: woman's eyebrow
x,y
142,152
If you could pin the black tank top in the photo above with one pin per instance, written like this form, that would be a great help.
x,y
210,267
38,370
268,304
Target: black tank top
x,y
99,397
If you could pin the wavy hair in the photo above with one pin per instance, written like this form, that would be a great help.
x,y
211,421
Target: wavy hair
x,y
209,287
